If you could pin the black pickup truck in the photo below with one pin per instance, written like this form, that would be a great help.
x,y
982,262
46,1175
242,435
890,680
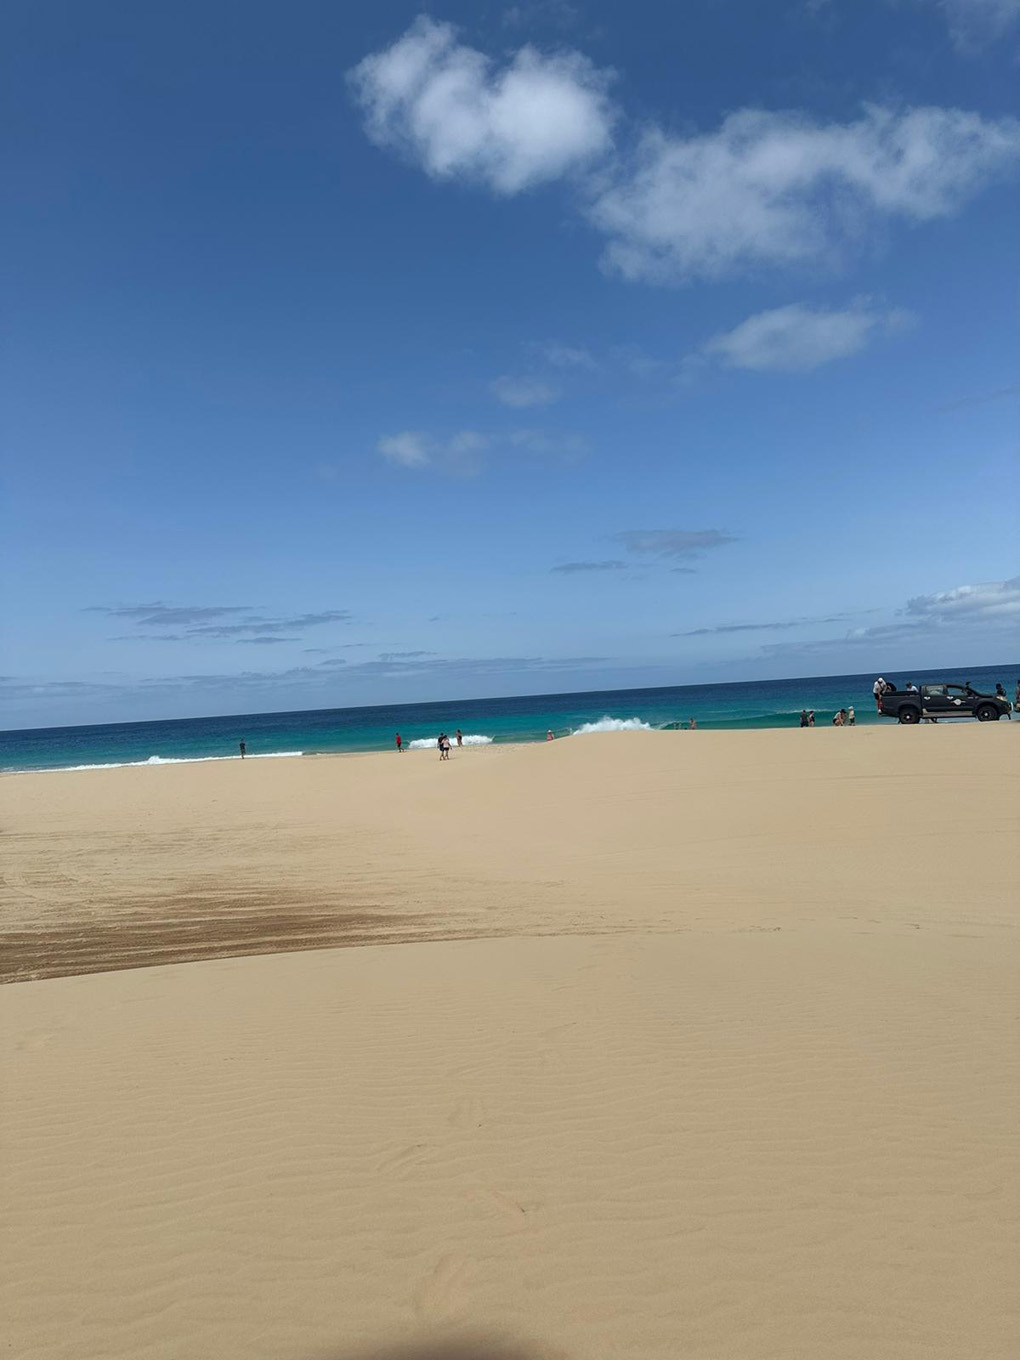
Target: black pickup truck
x,y
941,701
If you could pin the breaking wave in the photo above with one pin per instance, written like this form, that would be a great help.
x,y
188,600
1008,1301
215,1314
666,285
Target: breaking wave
x,y
157,760
608,724
430,743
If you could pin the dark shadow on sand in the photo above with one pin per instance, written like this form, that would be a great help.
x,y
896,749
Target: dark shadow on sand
x,y
463,1348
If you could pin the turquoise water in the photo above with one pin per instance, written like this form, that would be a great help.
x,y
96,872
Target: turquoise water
x,y
765,703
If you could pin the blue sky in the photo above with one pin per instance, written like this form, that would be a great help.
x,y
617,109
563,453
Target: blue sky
x,y
364,354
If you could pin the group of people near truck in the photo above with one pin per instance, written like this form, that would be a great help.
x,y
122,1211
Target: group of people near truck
x,y
882,688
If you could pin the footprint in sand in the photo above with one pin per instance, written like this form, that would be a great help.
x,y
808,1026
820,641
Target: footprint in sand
x,y
441,1293
499,1203
403,1160
468,1114
36,1039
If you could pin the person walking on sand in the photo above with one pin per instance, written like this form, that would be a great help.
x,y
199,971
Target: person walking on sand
x,y
444,746
460,737
692,725
400,745
811,717
803,717
851,717
243,748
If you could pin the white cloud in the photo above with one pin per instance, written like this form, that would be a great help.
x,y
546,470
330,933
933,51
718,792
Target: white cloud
x,y
975,24
445,105
997,601
764,188
459,454
994,608
554,443
557,354
797,337
409,448
469,441
778,188
522,392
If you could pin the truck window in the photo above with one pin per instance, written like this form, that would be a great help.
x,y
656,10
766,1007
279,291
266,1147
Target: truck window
x,y
933,691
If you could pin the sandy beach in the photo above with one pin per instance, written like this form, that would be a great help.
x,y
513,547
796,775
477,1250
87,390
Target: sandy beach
x,y
696,1045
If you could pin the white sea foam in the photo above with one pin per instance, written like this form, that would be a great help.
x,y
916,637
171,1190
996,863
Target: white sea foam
x,y
159,760
608,724
430,743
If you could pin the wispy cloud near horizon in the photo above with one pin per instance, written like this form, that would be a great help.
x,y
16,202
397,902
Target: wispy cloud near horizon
x,y
573,568
672,542
251,626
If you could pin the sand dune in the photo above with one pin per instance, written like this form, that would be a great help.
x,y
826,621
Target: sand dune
x,y
728,1070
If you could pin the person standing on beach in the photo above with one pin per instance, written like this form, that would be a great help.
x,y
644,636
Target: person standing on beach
x,y
803,717
811,717
878,689
444,746
243,748
400,745
460,737
692,725
851,717
549,735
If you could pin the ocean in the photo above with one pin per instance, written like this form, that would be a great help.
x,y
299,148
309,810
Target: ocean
x,y
749,704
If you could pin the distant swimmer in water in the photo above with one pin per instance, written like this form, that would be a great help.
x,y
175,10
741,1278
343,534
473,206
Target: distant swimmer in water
x,y
400,744
692,725
460,737
243,748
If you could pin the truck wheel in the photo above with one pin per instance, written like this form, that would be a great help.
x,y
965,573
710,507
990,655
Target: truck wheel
x,y
988,713
909,715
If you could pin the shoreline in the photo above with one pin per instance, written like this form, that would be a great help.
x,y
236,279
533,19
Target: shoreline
x,y
864,722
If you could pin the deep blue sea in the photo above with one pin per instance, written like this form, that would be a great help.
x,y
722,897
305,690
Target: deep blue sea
x,y
754,703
